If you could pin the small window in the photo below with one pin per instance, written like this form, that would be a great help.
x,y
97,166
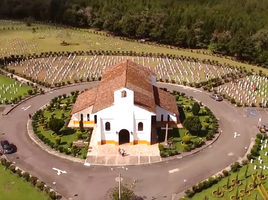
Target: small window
x,y
123,94
162,117
81,117
87,117
168,118
140,126
107,126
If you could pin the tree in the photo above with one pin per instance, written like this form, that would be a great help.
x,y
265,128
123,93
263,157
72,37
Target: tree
x,y
196,108
192,124
81,126
126,193
55,124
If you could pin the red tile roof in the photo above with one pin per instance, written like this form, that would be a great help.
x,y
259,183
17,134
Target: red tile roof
x,y
85,100
130,75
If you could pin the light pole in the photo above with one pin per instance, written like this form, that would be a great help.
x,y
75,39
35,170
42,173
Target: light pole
x,y
119,187
54,183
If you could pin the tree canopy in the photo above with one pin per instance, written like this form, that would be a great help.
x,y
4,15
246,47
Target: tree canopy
x,y
236,28
56,124
192,124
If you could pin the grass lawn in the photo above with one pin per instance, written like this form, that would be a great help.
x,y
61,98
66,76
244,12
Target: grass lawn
x,y
12,187
176,134
24,41
67,135
241,176
9,94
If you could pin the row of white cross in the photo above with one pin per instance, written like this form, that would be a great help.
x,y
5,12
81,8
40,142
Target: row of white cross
x,y
60,68
252,89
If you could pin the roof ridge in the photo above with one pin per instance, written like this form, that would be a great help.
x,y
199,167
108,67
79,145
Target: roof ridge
x,y
125,84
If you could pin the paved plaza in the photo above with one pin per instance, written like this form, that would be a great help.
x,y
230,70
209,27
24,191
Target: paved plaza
x,y
107,154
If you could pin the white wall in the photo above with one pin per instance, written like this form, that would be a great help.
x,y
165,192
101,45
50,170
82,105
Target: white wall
x,y
160,111
143,116
124,115
77,116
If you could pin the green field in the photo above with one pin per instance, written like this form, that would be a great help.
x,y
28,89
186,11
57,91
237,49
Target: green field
x,y
12,92
49,38
12,188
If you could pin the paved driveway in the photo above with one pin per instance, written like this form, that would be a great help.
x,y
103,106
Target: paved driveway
x,y
157,180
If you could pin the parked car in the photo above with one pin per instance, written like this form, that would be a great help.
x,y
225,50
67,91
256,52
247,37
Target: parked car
x,y
7,147
217,97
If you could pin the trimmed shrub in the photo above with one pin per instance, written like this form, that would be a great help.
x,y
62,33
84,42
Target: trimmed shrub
x,y
52,195
12,168
196,108
189,193
225,173
235,167
19,172
58,140
40,185
79,135
26,176
33,180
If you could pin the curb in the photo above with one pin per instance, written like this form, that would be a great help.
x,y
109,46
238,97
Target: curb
x,y
22,101
48,149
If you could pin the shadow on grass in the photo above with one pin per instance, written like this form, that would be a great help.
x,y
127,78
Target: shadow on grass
x,y
203,133
182,115
174,133
67,131
63,143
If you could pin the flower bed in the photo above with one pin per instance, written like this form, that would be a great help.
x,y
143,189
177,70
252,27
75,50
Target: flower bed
x,y
60,108
180,139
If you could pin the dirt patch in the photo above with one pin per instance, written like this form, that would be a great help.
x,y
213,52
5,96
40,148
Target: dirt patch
x,y
7,186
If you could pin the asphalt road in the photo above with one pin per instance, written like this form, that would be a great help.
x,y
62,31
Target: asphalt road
x,y
93,182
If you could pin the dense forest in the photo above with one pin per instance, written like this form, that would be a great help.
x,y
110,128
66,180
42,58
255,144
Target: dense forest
x,y
230,27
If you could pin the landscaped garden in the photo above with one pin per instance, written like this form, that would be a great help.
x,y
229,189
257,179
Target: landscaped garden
x,y
12,91
50,125
246,180
199,125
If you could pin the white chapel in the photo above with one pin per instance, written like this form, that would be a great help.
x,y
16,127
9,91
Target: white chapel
x,y
125,106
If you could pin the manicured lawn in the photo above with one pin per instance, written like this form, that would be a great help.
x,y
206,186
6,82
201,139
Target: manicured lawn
x,y
12,187
67,135
9,94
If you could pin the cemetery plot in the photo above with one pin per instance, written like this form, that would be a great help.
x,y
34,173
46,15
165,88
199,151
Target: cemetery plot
x,y
61,68
251,90
7,24
11,89
247,180
44,38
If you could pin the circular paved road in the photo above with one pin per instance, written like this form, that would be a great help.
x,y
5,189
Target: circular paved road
x,y
93,182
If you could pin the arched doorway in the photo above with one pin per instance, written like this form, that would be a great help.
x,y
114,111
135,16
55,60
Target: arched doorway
x,y
123,136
